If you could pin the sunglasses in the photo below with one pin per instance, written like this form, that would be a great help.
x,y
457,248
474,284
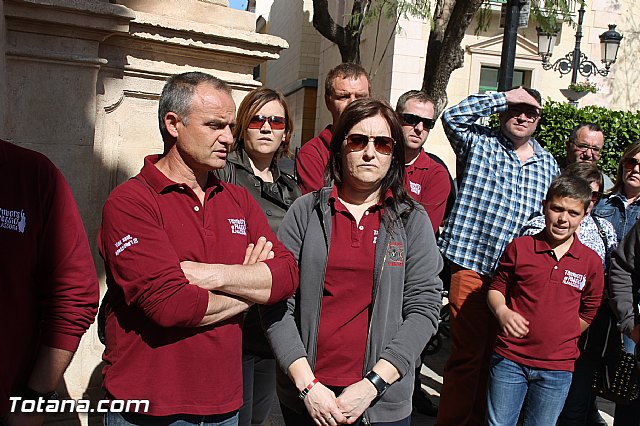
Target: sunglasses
x,y
276,122
531,115
413,120
382,144
631,163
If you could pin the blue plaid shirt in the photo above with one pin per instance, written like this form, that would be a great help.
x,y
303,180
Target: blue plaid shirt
x,y
498,194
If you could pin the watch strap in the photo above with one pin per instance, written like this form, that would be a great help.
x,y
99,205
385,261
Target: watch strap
x,y
378,382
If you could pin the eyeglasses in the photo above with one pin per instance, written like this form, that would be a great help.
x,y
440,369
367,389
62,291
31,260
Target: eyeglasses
x,y
413,120
382,144
583,148
631,163
276,122
530,114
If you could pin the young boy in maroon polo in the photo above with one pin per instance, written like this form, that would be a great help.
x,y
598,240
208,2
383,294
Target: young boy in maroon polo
x,y
545,292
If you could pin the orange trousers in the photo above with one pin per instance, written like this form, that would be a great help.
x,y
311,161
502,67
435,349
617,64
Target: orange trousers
x,y
463,400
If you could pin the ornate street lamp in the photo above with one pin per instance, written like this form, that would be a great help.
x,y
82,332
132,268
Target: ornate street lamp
x,y
577,61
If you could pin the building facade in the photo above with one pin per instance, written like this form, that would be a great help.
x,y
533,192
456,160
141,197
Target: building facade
x,y
395,58
80,81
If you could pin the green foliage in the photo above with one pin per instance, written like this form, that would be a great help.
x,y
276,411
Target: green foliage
x,y
585,86
542,13
394,9
620,129
547,13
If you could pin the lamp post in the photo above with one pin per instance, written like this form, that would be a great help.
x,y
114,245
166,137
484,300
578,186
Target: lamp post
x,y
577,62
508,57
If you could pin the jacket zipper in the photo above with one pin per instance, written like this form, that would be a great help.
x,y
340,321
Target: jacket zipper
x,y
324,273
376,286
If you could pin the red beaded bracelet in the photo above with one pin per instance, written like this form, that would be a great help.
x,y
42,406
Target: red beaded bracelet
x,y
305,391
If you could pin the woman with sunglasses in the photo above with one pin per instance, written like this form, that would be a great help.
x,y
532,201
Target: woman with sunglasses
x,y
621,207
261,137
369,292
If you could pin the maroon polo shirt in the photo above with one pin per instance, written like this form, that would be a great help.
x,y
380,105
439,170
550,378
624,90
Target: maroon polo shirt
x,y
552,295
154,348
48,283
428,183
347,295
312,160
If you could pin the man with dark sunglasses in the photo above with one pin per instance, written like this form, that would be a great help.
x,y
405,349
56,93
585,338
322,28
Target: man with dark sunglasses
x,y
343,85
428,181
505,177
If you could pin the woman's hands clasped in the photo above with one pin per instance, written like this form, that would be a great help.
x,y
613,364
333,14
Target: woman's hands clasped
x,y
322,406
325,409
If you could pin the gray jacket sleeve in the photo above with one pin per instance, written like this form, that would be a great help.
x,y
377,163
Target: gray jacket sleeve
x,y
421,297
623,284
278,320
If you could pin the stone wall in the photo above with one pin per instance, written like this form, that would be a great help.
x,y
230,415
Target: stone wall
x,y
80,81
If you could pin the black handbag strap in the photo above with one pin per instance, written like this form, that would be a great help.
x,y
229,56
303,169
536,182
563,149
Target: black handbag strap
x,y
601,232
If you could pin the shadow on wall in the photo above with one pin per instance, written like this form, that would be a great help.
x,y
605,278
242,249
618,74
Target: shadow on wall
x,y
626,84
296,72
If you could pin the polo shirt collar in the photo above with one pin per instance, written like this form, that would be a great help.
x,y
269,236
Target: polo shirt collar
x,y
333,196
541,245
422,161
325,136
159,182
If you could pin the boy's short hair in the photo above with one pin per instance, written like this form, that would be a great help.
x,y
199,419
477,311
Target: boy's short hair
x,y
572,187
586,171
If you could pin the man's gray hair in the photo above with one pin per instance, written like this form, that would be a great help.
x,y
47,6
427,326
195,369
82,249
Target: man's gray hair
x,y
177,94
592,127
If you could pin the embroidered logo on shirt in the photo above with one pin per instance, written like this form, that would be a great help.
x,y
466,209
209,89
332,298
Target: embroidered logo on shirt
x,y
415,187
124,243
395,253
238,226
13,220
375,236
574,280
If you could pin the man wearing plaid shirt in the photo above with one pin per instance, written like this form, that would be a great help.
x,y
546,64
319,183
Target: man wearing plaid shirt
x,y
506,175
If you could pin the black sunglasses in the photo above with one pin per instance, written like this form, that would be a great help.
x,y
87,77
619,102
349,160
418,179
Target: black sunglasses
x,y
382,144
413,120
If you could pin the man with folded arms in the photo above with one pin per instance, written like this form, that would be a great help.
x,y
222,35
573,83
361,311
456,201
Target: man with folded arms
x,y
185,255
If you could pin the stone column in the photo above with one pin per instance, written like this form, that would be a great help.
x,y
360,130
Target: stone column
x,y
81,80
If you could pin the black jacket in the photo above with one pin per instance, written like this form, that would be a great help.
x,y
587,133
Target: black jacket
x,y
274,198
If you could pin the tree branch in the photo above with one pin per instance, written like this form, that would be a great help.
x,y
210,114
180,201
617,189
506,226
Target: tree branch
x,y
324,23
444,54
